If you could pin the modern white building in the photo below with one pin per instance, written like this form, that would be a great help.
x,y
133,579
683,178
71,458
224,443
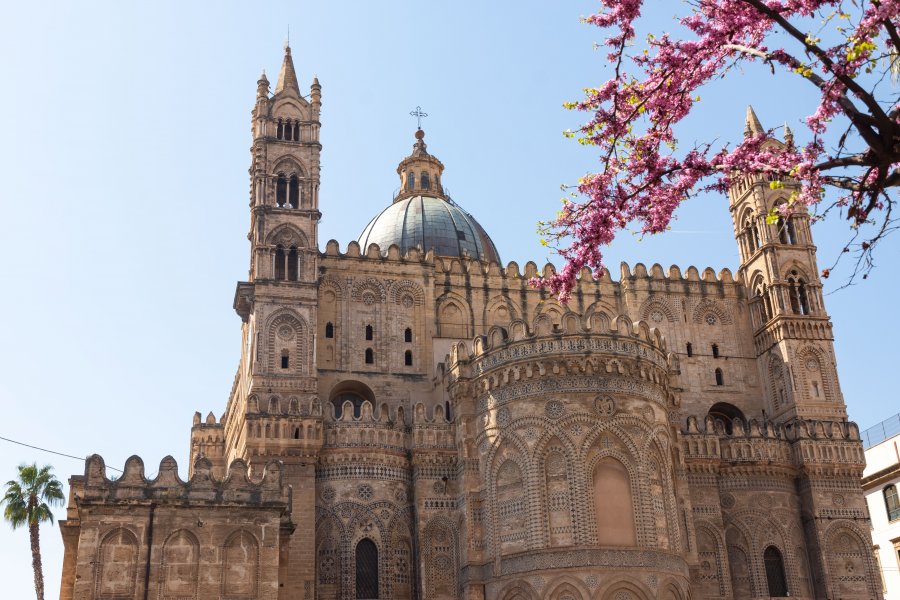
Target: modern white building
x,y
881,479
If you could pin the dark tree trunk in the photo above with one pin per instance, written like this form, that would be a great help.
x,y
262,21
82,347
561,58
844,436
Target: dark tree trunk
x,y
35,550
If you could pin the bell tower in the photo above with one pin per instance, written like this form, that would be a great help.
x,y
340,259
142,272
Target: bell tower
x,y
274,411
792,332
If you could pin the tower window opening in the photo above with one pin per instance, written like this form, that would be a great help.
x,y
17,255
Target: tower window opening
x,y
292,261
296,433
370,356
797,294
425,182
407,358
690,349
293,198
370,333
815,385
279,132
281,190
285,360
279,262
329,329
720,379
289,132
296,132
407,335
715,350
410,180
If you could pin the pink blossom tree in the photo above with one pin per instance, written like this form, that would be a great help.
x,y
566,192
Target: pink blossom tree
x,y
645,175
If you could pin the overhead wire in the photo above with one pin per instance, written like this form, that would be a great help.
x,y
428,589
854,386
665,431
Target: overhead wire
x,y
81,458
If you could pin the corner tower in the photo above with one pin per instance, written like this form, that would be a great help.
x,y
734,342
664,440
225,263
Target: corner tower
x,y
274,411
792,332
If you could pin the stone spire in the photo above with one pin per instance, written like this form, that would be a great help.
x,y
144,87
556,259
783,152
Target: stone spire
x,y
752,126
287,78
788,135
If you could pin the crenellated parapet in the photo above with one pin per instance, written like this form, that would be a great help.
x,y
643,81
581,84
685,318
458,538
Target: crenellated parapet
x,y
832,446
238,487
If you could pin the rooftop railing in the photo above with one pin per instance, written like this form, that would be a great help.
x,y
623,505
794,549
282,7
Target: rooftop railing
x,y
878,433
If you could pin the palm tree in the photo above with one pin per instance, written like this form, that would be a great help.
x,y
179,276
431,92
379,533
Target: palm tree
x,y
28,500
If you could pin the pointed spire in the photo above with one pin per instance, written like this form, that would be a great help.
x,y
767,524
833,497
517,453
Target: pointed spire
x,y
262,86
788,135
287,78
752,126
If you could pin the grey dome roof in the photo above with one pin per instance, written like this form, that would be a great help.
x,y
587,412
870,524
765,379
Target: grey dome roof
x,y
427,222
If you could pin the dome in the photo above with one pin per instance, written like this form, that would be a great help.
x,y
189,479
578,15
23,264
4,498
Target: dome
x,y
426,222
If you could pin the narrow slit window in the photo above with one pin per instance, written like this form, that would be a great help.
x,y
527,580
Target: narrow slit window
x,y
370,333
715,350
370,356
407,335
279,262
292,264
285,360
720,379
407,358
690,349
329,329
281,190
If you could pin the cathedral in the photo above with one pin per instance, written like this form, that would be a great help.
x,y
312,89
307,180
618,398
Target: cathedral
x,y
410,419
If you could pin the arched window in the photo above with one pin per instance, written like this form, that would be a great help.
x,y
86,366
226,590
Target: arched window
x,y
410,180
294,192
786,232
288,132
292,264
296,132
425,182
892,502
407,335
690,349
329,329
715,350
370,356
797,294
366,570
279,262
285,359
775,572
720,379
296,433
752,233
726,413
353,397
279,132
281,190
407,358
370,334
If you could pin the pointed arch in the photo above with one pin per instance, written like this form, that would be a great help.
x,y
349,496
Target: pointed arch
x,y
240,565
179,567
454,317
441,560
500,311
711,558
558,497
613,501
655,310
287,234
511,510
116,564
707,307
290,165
287,332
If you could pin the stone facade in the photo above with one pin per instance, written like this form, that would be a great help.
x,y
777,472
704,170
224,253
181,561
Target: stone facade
x,y
448,431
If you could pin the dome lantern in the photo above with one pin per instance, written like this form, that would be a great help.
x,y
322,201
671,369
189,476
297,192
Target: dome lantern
x,y
420,172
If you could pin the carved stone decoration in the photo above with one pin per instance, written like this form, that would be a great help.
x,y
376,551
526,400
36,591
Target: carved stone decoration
x,y
554,409
328,494
605,406
364,492
838,500
727,501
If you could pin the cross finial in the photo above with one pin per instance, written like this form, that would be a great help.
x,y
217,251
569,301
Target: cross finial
x,y
419,115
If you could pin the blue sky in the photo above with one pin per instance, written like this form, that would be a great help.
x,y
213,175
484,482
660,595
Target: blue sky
x,y
124,193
